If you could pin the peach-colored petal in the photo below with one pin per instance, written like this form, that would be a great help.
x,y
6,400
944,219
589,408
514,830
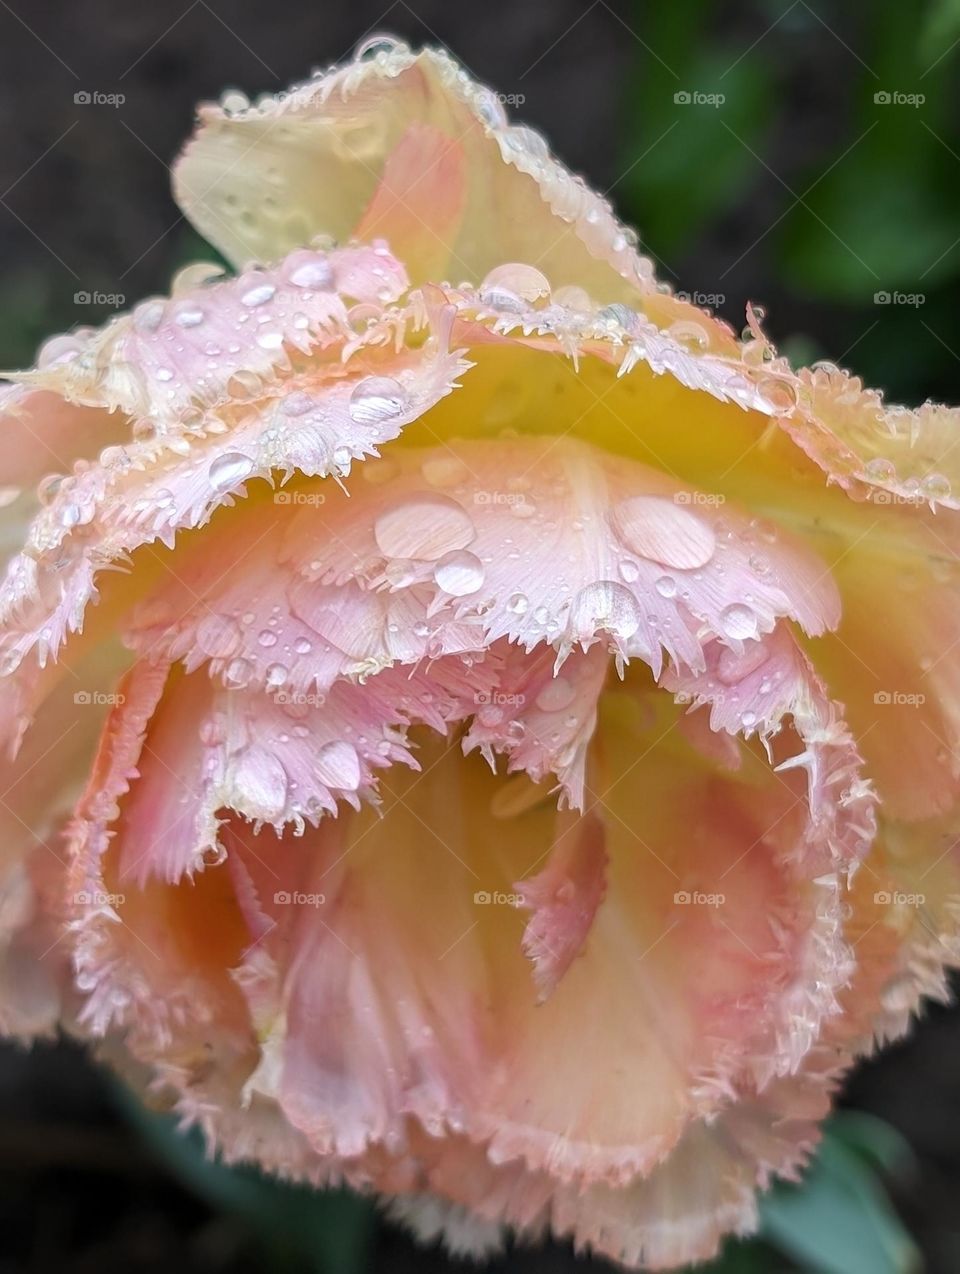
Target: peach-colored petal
x,y
564,898
326,146
173,359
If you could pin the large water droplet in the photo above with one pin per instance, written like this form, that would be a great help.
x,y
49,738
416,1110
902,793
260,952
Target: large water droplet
x,y
338,766
459,574
664,532
230,468
444,471
556,695
605,605
424,527
297,404
258,295
218,636
739,621
189,317
316,274
375,399
524,281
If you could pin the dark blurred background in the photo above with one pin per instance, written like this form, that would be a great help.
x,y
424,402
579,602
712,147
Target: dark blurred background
x,y
802,154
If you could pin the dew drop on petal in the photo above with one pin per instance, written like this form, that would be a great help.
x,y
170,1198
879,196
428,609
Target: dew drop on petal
x,y
738,621
189,317
606,605
444,471
276,675
375,399
524,281
230,468
424,527
518,604
258,295
556,695
666,586
317,274
664,532
459,574
239,672
338,766
218,636
297,404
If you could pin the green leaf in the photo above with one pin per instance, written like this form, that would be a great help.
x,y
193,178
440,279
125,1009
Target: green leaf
x,y
839,1220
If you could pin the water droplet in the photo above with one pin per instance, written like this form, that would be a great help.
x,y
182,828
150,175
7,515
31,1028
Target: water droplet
x,y
229,469
738,621
605,605
258,295
297,404
303,646
338,766
270,340
375,399
666,586
524,281
880,469
459,574
316,274
690,333
275,675
936,487
424,527
218,636
238,673
664,532
556,695
267,638
444,471
518,604
190,317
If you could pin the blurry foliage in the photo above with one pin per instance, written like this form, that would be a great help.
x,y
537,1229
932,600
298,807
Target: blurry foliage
x,y
864,202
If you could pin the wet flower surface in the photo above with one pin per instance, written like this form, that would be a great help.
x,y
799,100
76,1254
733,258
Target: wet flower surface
x,y
478,729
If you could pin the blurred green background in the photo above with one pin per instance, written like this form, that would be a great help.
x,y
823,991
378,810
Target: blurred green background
x,y
804,155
